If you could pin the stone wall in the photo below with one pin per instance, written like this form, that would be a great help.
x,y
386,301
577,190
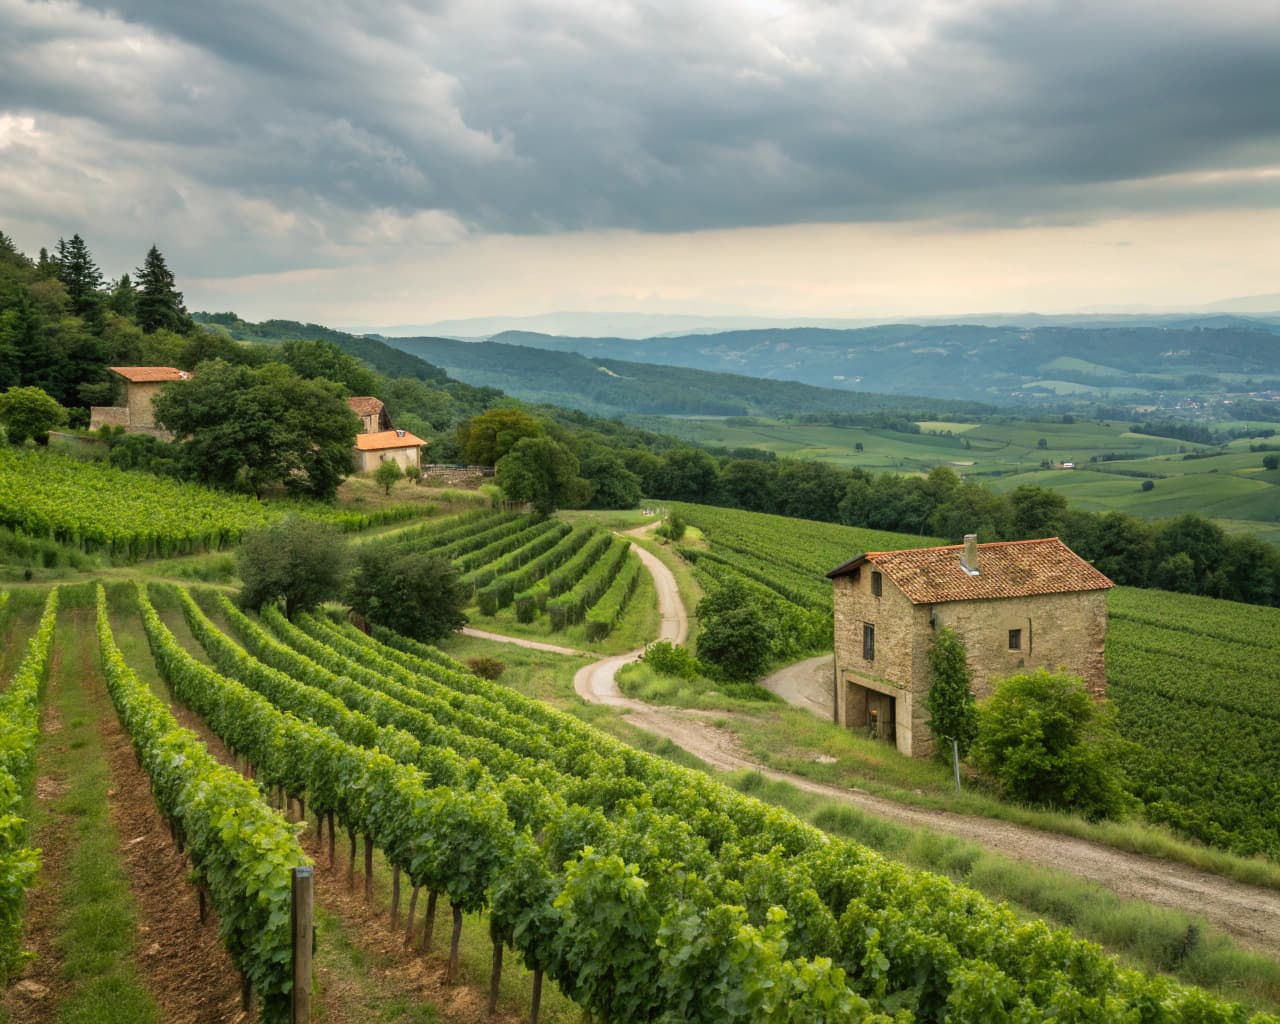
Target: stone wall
x,y
468,477
1060,632
138,397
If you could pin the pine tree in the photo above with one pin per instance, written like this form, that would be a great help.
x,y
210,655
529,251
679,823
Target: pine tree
x,y
159,302
47,266
80,275
124,297
10,253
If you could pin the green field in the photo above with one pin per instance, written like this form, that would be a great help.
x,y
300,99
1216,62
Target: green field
x,y
1230,485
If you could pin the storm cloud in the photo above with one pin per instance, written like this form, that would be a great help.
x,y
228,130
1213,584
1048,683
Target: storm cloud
x,y
254,137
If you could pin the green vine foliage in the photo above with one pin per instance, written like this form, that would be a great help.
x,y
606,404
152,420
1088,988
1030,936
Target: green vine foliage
x,y
19,731
242,850
629,881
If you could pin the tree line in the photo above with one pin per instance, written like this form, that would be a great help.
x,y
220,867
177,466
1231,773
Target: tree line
x,y
1189,554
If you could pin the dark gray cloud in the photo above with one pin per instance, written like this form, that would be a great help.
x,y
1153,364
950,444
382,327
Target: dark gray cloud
x,y
303,132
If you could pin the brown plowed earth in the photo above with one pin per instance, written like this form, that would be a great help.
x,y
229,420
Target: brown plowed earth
x,y
182,962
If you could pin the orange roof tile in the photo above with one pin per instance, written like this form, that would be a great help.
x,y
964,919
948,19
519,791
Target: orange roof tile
x,y
149,374
387,439
1018,568
365,405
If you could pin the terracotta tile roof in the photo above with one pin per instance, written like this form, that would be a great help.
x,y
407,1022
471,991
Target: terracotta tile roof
x,y
366,405
387,439
1017,568
149,374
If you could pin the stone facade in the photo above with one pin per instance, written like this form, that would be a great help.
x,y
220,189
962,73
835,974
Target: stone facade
x,y
1061,631
368,461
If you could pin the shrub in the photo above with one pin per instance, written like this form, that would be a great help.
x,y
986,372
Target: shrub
x,y
1148,485
1271,462
674,527
1045,741
487,668
671,659
735,636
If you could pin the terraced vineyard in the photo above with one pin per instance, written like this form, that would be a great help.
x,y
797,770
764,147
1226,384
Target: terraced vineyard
x,y
1196,685
543,569
782,563
94,507
1195,681
645,891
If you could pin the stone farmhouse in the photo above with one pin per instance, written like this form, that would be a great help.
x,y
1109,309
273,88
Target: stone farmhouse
x,y
372,413
377,442
141,385
1016,604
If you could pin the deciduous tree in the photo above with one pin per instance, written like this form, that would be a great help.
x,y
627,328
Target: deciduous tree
x,y
296,561
30,413
541,471
416,594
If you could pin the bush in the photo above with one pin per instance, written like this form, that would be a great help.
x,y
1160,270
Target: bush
x,y
1271,462
735,637
487,668
1148,485
671,660
674,527
1045,741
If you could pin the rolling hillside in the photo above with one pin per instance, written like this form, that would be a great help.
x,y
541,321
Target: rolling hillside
x,y
969,361
607,386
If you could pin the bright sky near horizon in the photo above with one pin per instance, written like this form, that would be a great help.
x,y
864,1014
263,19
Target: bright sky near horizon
x,y
375,163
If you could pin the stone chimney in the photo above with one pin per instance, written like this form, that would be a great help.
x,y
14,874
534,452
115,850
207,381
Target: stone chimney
x,y
969,556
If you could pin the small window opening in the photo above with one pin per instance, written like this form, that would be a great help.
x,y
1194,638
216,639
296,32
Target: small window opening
x,y
877,584
1015,639
868,641
857,575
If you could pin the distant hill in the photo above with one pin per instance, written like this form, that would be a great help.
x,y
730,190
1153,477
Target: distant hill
x,y
977,362
614,387
393,362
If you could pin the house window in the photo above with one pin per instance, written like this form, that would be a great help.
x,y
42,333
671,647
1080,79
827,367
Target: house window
x,y
877,584
1015,639
868,641
857,575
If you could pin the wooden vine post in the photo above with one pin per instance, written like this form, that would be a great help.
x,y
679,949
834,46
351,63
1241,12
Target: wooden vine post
x,y
303,931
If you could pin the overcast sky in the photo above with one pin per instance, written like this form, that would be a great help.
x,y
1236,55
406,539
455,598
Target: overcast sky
x,y
377,162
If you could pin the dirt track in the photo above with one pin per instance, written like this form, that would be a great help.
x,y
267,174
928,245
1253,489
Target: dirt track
x,y
1249,913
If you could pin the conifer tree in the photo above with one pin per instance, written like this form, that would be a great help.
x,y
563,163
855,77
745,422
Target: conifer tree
x,y
46,266
159,302
124,297
80,275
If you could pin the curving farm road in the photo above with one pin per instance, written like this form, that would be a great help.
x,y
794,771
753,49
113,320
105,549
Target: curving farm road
x,y
1249,913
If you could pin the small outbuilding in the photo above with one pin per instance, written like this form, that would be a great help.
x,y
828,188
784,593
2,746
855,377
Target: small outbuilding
x,y
372,413
141,385
398,446
1016,604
